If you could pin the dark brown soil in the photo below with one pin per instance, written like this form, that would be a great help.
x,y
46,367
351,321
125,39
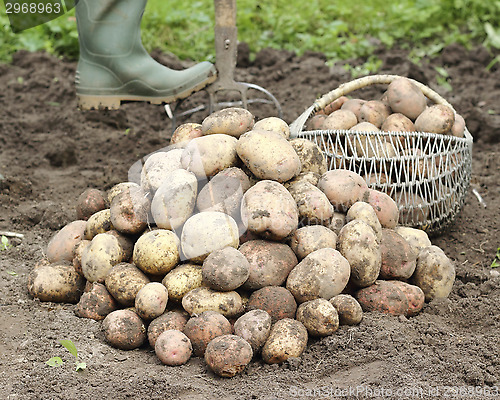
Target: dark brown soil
x,y
50,152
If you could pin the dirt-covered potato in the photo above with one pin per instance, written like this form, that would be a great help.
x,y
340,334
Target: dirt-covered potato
x,y
270,263
124,281
268,155
288,338
319,317
269,210
203,328
324,273
398,259
374,112
364,127
62,245
310,177
415,296
95,303
435,273
158,166
277,301
59,283
225,269
124,329
340,119
151,300
343,188
120,188
129,210
254,326
398,122
206,232
157,252
365,212
385,207
98,222
337,222
175,319
203,299
273,124
232,121
358,243
404,97
228,355
458,127
311,157
185,133
173,347
348,309
353,105
437,118
312,204
310,238
77,259
384,297
416,238
181,280
333,106
89,202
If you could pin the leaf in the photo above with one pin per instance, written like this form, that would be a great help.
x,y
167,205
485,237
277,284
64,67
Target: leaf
x,y
54,362
493,35
13,273
80,366
70,346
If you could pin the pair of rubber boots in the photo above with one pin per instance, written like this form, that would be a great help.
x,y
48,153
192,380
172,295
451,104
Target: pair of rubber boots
x,y
114,66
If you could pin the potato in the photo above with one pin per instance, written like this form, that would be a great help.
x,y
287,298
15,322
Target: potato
x,y
270,263
273,124
185,133
228,355
120,188
333,106
277,301
175,319
413,209
319,317
311,157
365,126
307,239
77,259
268,155
62,245
181,280
173,347
225,269
232,121
203,328
269,210
288,338
398,122
458,128
337,222
129,211
365,212
96,303
310,177
202,299
353,105
124,329
58,283
416,238
404,97
348,309
254,326
151,300
384,297
313,205
316,122
398,259
435,273
126,243
90,202
341,119
206,232
385,207
343,188
435,119
158,166
124,282
357,242
99,222
157,252
372,146
324,273
374,112
415,296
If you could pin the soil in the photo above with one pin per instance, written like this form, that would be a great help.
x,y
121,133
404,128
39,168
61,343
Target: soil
x,y
50,152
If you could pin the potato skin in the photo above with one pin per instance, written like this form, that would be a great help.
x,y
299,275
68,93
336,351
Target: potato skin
x,y
157,168
225,269
342,187
175,319
89,202
353,105
288,338
124,329
277,301
365,212
58,283
182,279
385,207
310,238
173,348
398,259
96,303
319,317
435,119
374,112
340,119
157,252
186,132
151,300
124,281
228,355
120,188
398,122
313,205
98,222
348,309
311,157
458,127
233,121
404,97
254,326
129,211
416,238
62,245
203,299
384,297
415,296
273,124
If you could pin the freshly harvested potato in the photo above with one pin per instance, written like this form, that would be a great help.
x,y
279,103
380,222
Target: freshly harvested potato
x,y
203,328
343,188
374,112
384,297
310,177
126,243
270,263
124,329
358,243
124,282
206,232
341,119
435,273
310,238
268,155
228,355
77,259
319,317
372,146
232,121
129,211
458,128
404,97
59,283
157,168
313,205
157,252
89,202
277,301
398,259
254,326
62,245
225,269
99,222
181,280
324,273
337,222
435,119
202,299
185,133
365,126
269,210
365,212
173,348
398,122
120,188
353,105
207,155
416,238
385,207
348,309
175,319
273,124
333,106
316,122
96,303
413,209
151,300
311,157
415,296
288,338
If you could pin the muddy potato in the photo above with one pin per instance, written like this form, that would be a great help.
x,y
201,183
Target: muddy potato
x,y
353,105
288,338
228,355
416,238
385,207
365,212
202,299
310,238
174,319
374,112
348,309
254,326
99,222
340,119
62,245
151,300
319,317
415,296
225,269
357,242
343,188
268,155
185,133
124,281
277,301
203,328
157,168
59,283
398,122
129,211
435,119
120,188
312,204
90,202
232,121
310,177
404,97
273,124
398,259
384,297
324,273
173,348
157,252
458,127
96,303
181,280
77,259
435,273
311,157
124,329
337,222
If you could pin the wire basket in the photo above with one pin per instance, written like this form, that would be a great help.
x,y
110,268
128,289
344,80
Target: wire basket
x,y
427,174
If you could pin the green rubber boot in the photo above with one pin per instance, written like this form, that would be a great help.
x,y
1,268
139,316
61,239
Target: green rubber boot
x,y
114,66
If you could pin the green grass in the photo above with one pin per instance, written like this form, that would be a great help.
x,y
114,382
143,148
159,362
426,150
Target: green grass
x,y
339,29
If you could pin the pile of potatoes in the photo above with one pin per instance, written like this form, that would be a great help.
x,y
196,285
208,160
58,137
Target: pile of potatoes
x,y
236,243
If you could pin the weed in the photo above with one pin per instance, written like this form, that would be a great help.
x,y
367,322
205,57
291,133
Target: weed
x,y
496,260
4,243
70,346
